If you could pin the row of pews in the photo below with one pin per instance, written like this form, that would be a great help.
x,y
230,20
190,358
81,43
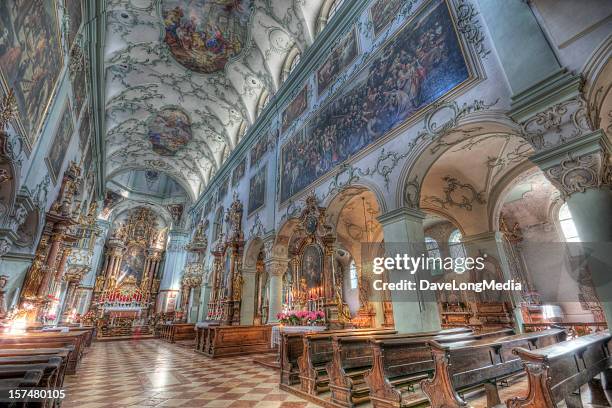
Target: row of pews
x,y
392,370
41,359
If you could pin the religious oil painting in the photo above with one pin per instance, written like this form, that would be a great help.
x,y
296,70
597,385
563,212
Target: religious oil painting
x,y
383,12
79,90
339,59
312,266
61,141
223,188
84,129
259,150
132,263
169,131
422,63
87,159
30,58
295,109
257,190
74,8
203,35
238,172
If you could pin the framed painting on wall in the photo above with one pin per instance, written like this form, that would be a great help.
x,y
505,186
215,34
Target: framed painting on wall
x,y
295,109
257,190
383,12
61,141
238,172
338,60
31,60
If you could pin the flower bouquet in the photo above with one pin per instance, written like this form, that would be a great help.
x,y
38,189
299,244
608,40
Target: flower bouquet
x,y
301,317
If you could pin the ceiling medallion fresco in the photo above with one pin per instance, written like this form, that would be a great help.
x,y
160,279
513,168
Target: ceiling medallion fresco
x,y
169,131
203,35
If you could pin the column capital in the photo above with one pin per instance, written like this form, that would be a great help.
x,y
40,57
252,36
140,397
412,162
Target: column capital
x,y
582,164
413,214
489,236
277,266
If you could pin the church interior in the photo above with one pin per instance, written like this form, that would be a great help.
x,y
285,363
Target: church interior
x,y
216,203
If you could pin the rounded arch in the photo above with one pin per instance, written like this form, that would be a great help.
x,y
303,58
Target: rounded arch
x,y
251,252
179,180
283,236
445,131
597,72
326,12
127,205
291,61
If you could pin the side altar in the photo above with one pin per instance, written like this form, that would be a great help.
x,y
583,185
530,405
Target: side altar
x,y
127,286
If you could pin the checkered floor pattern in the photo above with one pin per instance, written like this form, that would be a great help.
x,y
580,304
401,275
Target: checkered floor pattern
x,y
152,373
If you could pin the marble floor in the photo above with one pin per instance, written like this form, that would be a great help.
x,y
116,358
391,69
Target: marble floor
x,y
153,373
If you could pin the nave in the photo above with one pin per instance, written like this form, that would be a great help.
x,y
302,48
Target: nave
x,y
153,373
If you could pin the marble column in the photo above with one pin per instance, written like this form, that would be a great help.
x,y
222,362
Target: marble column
x,y
413,311
276,267
491,244
582,170
247,307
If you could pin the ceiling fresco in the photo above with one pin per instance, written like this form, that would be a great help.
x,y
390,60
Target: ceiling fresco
x,y
169,131
204,34
213,58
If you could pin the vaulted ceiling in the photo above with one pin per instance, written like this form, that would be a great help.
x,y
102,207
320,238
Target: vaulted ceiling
x,y
184,78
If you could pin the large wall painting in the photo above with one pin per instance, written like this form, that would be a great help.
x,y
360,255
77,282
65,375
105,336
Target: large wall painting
x,y
423,62
203,35
61,141
31,58
86,164
340,57
238,172
383,12
75,15
295,109
169,131
259,149
257,190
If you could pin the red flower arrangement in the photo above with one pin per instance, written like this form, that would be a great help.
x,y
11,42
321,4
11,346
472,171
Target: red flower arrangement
x,y
301,317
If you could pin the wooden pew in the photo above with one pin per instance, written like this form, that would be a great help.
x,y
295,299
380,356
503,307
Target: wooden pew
x,y
48,380
352,359
399,363
557,371
172,332
237,340
317,353
37,359
464,366
48,340
202,335
291,348
29,379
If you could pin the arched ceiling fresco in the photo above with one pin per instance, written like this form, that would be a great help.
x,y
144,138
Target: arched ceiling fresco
x,y
211,58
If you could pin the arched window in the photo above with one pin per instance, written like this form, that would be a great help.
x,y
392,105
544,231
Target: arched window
x,y
291,61
264,98
456,248
353,275
433,251
329,9
567,224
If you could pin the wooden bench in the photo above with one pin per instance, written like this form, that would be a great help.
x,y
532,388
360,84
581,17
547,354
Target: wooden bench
x,y
174,332
29,379
48,380
290,350
464,366
352,359
317,353
48,340
400,363
202,330
557,371
225,341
